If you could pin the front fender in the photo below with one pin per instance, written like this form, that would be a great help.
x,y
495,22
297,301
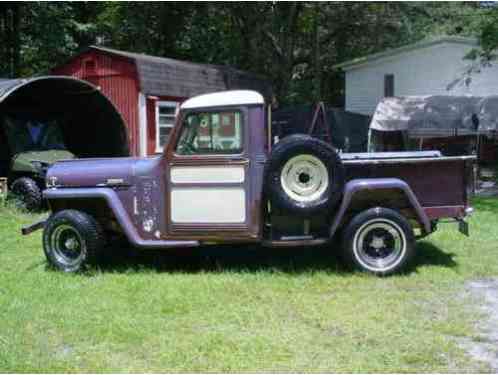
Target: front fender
x,y
354,186
122,216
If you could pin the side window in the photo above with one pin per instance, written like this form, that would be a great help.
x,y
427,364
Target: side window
x,y
211,133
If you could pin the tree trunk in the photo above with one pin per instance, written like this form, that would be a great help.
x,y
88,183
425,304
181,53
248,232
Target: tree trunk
x,y
316,56
16,40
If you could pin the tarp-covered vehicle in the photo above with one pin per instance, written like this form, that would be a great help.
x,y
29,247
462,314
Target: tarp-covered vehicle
x,y
47,119
455,125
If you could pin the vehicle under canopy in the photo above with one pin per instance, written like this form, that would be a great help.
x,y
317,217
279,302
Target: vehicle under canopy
x,y
402,123
75,115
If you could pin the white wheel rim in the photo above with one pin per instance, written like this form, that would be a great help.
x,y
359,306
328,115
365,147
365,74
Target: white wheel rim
x,y
392,247
304,178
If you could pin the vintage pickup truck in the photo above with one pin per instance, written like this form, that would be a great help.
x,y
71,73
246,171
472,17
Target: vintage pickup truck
x,y
222,179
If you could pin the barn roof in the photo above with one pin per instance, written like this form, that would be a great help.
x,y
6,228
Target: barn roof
x,y
169,77
360,61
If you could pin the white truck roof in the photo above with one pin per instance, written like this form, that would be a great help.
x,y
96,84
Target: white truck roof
x,y
224,98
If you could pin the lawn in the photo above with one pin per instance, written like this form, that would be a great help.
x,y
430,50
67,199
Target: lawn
x,y
242,309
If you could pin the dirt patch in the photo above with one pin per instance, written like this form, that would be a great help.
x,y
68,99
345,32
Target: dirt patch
x,y
484,347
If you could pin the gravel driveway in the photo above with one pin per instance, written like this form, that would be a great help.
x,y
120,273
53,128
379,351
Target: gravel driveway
x,y
485,348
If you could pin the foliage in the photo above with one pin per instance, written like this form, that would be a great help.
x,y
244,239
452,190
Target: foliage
x,y
488,34
242,309
295,44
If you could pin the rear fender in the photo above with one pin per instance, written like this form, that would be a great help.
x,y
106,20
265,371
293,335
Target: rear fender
x,y
357,185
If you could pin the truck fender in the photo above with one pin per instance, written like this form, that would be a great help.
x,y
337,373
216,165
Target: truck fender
x,y
357,185
120,213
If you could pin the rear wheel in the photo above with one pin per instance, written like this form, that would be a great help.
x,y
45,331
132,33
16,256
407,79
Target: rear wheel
x,y
378,240
26,194
72,240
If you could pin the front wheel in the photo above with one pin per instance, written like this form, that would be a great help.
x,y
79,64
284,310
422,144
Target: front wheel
x,y
379,241
27,194
72,240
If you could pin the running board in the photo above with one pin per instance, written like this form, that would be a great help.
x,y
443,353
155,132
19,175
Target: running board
x,y
298,241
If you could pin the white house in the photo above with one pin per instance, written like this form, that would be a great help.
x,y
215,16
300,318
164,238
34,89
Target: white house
x,y
429,67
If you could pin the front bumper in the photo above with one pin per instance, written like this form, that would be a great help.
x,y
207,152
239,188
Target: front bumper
x,y
28,229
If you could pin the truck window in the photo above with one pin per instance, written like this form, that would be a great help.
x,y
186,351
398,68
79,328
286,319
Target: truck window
x,y
211,133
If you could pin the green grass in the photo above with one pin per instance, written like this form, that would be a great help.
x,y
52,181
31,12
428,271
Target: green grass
x,y
242,309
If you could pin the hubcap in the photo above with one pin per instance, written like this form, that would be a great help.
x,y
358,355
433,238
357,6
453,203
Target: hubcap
x,y
304,178
67,245
379,244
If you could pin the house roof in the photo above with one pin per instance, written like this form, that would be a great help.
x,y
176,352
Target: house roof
x,y
360,61
169,77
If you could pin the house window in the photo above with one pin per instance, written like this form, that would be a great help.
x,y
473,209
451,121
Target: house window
x,y
165,120
211,133
388,85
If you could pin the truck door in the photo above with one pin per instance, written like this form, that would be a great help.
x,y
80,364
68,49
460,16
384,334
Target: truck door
x,y
208,184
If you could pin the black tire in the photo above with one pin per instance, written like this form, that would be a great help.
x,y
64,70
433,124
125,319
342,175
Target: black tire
x,y
379,241
297,162
27,194
72,240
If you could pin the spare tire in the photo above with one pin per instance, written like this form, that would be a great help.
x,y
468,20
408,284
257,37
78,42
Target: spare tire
x,y
304,176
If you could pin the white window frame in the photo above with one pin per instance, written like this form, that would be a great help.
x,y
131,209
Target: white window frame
x,y
168,104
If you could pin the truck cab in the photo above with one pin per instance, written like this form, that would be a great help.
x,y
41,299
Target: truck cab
x,y
222,179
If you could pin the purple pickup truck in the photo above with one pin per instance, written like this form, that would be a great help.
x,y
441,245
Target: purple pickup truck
x,y
222,179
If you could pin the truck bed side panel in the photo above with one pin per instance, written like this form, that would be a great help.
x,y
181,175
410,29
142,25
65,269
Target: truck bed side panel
x,y
436,182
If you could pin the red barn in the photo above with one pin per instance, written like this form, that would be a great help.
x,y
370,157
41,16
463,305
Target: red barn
x,y
147,90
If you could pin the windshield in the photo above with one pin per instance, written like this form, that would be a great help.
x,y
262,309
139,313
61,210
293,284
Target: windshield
x,y
33,135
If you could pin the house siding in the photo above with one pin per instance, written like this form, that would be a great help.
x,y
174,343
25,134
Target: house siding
x,y
118,81
425,71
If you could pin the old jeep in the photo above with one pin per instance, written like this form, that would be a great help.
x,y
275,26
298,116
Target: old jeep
x,y
35,146
222,179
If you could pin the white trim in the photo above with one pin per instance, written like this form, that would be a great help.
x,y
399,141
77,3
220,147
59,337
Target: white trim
x,y
208,205
142,123
224,98
208,174
159,104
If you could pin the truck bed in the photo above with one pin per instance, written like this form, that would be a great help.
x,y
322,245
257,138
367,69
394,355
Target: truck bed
x,y
439,182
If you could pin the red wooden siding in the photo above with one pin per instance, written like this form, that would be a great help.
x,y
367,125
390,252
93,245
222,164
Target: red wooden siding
x,y
151,119
118,80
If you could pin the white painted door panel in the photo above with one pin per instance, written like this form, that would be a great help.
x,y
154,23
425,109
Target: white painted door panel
x,y
208,174
208,205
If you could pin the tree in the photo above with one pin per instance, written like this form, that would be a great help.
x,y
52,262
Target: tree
x,y
10,16
297,45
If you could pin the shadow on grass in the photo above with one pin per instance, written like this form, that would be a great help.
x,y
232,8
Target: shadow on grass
x,y
222,258
431,255
253,258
